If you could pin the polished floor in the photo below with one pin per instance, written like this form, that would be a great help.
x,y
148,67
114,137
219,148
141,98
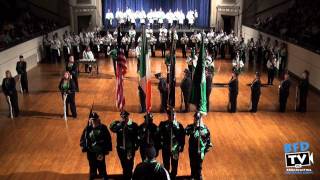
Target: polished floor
x,y
41,145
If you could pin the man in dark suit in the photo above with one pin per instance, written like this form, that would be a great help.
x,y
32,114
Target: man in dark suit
x,y
284,88
186,85
22,72
233,93
162,87
72,68
255,93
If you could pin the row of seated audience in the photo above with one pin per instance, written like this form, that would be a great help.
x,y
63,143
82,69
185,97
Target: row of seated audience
x,y
21,25
299,24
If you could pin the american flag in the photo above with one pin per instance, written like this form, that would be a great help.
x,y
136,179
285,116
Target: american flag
x,y
121,71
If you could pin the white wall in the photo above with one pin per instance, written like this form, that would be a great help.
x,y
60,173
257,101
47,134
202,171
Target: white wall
x,y
31,50
299,59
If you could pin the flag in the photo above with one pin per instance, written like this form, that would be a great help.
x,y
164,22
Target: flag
x,y
144,70
121,70
198,94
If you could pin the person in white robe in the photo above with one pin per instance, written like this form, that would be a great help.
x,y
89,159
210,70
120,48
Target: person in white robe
x,y
109,18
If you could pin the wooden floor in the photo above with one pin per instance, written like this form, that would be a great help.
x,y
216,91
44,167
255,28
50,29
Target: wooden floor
x,y
41,145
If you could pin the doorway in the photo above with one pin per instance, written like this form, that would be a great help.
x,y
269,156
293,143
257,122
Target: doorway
x,y
83,22
228,23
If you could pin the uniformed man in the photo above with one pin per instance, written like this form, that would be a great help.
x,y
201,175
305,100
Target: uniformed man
x,y
109,18
75,42
284,89
192,61
132,36
211,36
21,68
163,40
251,48
68,89
66,46
47,44
255,92
184,44
199,145
271,69
107,42
125,41
96,141
194,40
233,92
162,87
172,138
10,91
127,142
97,42
150,169
302,93
186,86
148,135
72,68
55,49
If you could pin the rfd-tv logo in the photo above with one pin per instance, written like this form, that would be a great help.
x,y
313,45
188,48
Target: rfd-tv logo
x,y
297,155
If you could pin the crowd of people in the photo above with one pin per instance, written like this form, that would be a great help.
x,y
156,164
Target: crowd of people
x,y
299,23
18,24
154,17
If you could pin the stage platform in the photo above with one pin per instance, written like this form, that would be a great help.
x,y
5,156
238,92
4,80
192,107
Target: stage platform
x,y
40,145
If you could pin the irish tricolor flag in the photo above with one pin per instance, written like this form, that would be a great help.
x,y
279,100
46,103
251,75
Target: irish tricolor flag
x,y
144,70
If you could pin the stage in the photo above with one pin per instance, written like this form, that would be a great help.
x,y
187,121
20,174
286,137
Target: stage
x,y
41,145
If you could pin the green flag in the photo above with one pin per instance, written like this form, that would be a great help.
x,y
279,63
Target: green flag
x,y
198,95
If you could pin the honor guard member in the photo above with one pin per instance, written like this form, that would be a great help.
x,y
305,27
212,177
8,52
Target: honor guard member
x,y
107,42
47,44
271,66
162,87
125,41
302,92
184,44
127,142
21,68
150,18
199,145
109,18
96,142
172,137
284,89
190,17
75,42
55,49
72,68
9,90
97,45
233,92
66,46
148,135
150,168
170,18
186,86
67,88
161,16
255,92
132,36
153,42
142,98
173,32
